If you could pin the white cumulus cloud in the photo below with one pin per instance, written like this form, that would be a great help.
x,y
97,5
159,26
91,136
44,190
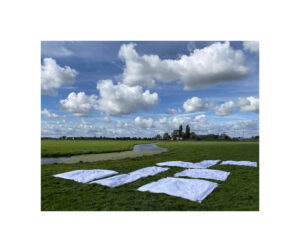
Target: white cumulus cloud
x,y
249,104
200,118
144,123
246,104
178,120
121,99
195,104
210,65
251,46
78,104
48,114
54,76
163,120
225,109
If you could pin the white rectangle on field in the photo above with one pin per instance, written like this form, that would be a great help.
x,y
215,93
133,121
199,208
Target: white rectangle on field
x,y
84,176
207,163
191,189
245,163
130,177
201,165
204,173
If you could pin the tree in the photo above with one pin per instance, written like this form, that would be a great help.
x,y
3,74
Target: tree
x,y
166,136
187,131
180,130
158,136
175,134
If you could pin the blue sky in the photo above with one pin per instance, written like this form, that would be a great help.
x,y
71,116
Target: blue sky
x,y
135,88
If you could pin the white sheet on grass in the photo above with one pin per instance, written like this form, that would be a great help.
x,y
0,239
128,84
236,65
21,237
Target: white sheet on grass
x,y
130,177
192,189
84,176
200,165
207,163
203,173
245,163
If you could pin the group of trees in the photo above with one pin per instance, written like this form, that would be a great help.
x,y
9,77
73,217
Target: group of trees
x,y
186,134
176,134
181,134
165,136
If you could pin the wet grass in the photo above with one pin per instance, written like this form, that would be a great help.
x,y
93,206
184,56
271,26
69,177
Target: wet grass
x,y
240,192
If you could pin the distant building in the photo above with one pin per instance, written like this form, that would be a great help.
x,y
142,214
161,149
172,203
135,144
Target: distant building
x,y
224,137
193,136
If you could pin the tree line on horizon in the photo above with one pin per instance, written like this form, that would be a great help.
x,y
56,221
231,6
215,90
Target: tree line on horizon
x,y
175,135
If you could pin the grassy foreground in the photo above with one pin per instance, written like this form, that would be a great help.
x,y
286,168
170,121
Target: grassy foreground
x,y
239,192
64,148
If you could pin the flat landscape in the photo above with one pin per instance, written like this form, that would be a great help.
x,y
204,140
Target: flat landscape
x,y
63,148
240,192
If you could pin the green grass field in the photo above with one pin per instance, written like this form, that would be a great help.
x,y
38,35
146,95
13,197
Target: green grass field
x,y
240,192
64,148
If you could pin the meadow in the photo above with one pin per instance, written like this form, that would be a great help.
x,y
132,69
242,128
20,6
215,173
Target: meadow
x,y
240,192
65,148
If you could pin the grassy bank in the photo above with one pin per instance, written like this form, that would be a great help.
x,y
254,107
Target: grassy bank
x,y
239,192
65,148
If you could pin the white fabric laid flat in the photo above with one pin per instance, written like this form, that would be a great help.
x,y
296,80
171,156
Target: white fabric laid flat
x,y
200,165
130,177
207,163
192,189
203,173
245,163
84,176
